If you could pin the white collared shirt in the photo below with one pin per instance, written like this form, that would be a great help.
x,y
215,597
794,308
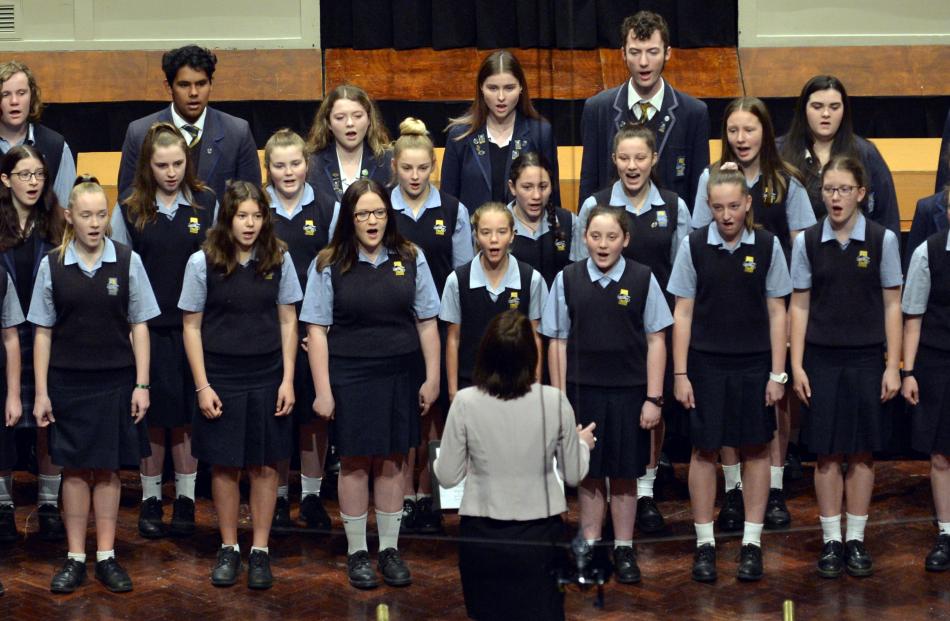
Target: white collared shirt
x,y
179,122
656,101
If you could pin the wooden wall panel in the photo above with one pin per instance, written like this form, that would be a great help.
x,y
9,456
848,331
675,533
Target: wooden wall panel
x,y
878,71
449,75
84,76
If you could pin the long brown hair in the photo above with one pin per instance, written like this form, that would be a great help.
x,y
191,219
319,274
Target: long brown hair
x,y
507,357
141,202
774,171
221,247
342,249
501,61
799,141
321,137
46,215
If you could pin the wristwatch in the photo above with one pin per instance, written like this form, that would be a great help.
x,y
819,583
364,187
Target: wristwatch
x,y
657,401
779,378
907,373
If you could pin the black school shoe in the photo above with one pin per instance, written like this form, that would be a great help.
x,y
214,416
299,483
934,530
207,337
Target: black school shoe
x,y
776,513
112,576
8,532
939,557
704,563
731,518
69,577
857,559
51,523
281,524
226,568
314,514
409,512
259,575
394,570
831,561
428,519
183,517
649,518
750,563
360,571
150,518
626,569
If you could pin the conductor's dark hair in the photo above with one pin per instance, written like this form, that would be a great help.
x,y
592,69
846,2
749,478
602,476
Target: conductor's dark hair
x,y
507,357
644,24
196,57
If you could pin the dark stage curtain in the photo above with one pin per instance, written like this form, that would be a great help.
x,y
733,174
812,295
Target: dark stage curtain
x,y
487,24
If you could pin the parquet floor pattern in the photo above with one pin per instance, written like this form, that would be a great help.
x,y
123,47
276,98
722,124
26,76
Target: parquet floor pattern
x,y
171,575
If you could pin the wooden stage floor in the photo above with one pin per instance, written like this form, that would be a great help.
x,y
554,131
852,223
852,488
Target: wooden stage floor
x,y
171,575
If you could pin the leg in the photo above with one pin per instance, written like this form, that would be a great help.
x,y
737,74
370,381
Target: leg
x,y
428,519
105,501
185,463
732,514
76,501
939,557
8,533
227,498
150,471
829,488
623,511
387,496
353,492
49,478
649,518
592,506
858,486
186,473
313,453
776,514
263,497
702,498
280,515
755,492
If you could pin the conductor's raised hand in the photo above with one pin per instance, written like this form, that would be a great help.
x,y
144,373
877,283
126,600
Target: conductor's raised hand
x,y
586,435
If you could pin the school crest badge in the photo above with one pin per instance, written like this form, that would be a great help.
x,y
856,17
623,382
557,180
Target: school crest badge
x,y
309,229
439,227
194,225
623,298
560,245
398,268
661,220
863,259
112,287
514,302
748,266
681,166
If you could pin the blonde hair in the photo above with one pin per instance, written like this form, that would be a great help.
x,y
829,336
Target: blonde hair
x,y
731,176
497,208
413,135
85,184
283,137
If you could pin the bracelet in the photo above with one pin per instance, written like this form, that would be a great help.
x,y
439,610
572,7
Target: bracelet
x,y
907,373
202,388
683,373
143,386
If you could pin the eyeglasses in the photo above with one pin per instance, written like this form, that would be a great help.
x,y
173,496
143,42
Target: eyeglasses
x,y
25,175
844,190
363,216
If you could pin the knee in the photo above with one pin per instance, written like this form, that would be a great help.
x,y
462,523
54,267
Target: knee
x,y
828,463
755,452
704,457
939,462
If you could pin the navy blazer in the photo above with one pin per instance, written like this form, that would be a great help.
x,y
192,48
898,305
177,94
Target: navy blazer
x,y
943,161
323,171
228,152
466,165
682,142
930,217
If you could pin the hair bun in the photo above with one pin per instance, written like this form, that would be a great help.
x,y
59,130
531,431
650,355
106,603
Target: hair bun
x,y
412,127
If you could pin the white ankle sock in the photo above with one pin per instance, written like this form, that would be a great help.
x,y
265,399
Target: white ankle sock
x,y
704,534
6,490
752,533
733,476
618,543
830,528
185,485
283,491
388,526
944,528
77,556
48,489
102,555
355,529
645,484
776,476
310,485
264,550
151,486
236,547
855,527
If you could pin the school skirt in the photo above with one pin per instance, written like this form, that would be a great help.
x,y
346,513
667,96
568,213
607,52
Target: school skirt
x,y
377,404
94,426
622,450
304,391
27,378
508,580
730,400
7,434
845,414
173,389
247,433
931,417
